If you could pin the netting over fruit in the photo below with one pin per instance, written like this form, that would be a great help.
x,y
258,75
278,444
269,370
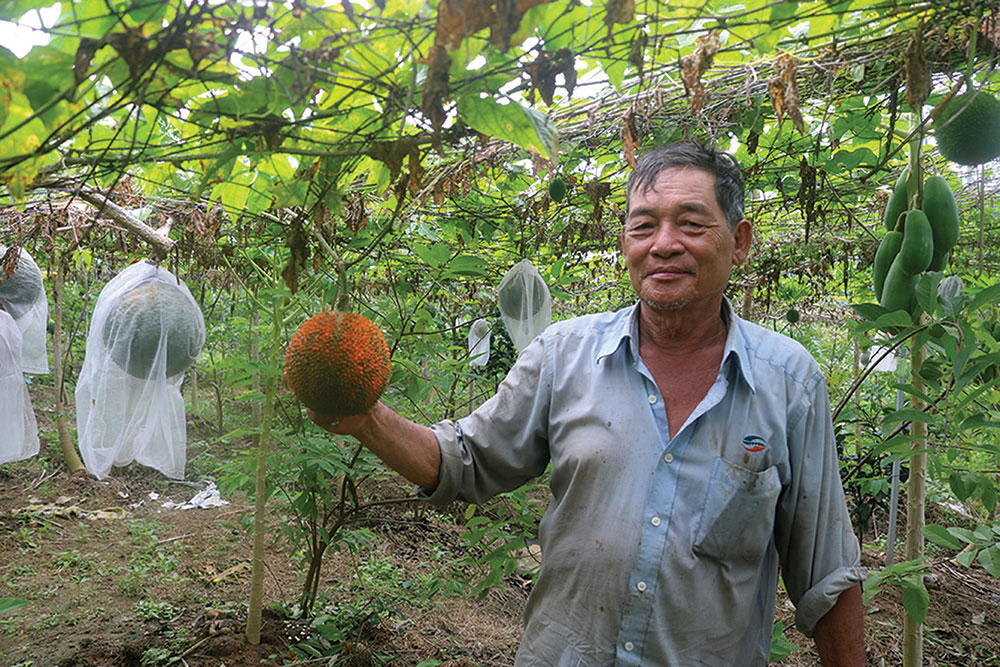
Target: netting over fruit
x,y
146,331
525,303
22,294
19,439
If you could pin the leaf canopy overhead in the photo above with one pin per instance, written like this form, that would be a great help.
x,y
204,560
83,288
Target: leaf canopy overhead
x,y
329,112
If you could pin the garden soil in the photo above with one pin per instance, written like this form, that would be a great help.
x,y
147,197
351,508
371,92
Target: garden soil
x,y
116,579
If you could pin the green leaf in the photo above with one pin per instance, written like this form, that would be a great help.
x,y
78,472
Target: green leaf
x,y
434,255
10,604
963,484
963,534
781,647
524,127
988,295
465,265
939,535
869,311
911,415
966,558
916,600
990,560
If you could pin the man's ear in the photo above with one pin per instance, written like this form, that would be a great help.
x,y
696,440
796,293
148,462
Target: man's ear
x,y
743,236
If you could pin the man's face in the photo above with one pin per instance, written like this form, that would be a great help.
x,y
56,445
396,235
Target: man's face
x,y
677,244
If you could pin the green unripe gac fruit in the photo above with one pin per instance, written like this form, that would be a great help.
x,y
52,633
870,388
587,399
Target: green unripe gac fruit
x,y
337,363
557,189
942,212
967,128
792,315
887,251
917,249
897,293
898,201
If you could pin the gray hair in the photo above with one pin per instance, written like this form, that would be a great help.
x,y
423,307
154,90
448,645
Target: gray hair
x,y
722,165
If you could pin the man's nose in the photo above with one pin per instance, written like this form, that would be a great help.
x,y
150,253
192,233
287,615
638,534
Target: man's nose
x,y
667,239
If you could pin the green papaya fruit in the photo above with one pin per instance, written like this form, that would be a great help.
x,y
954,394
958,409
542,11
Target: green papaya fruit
x,y
917,249
888,248
942,212
939,262
898,201
897,293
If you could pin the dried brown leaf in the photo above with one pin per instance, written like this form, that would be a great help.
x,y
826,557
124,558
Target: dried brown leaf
x,y
694,66
619,11
918,74
784,91
436,87
628,141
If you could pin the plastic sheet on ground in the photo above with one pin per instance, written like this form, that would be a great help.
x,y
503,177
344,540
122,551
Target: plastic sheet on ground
x,y
18,429
128,400
204,499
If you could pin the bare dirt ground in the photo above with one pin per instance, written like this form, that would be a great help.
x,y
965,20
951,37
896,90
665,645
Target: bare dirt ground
x,y
116,579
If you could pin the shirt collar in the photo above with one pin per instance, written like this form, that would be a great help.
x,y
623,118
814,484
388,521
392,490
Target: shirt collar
x,y
737,347
625,331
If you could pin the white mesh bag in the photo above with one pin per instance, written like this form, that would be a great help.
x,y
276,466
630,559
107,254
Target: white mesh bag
x,y
146,331
19,439
22,294
479,343
525,303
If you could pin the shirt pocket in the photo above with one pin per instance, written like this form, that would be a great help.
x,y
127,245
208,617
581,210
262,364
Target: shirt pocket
x,y
737,519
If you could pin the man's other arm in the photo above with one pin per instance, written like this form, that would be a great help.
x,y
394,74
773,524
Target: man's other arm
x,y
840,634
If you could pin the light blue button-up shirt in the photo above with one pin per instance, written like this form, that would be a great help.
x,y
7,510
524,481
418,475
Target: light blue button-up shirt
x,y
660,551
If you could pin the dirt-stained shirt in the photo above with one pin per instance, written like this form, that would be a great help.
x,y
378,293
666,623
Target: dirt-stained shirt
x,y
659,550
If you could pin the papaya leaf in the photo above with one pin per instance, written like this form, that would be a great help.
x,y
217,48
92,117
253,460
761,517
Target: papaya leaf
x,y
524,127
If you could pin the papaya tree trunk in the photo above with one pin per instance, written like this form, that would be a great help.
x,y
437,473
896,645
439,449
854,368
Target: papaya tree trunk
x,y
73,463
260,489
915,499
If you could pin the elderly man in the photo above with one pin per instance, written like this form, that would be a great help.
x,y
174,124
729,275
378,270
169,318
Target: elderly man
x,y
692,453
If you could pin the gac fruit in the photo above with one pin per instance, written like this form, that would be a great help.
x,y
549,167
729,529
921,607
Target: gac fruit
x,y
337,363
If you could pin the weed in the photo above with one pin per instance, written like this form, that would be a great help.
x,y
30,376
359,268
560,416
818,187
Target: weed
x,y
155,611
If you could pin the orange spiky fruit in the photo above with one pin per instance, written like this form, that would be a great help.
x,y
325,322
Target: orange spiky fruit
x,y
337,363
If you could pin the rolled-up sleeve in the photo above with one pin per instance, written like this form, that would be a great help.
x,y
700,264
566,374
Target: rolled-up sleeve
x,y
504,443
819,553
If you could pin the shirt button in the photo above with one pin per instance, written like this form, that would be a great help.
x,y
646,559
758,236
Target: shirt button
x,y
655,521
641,586
668,457
629,646
652,399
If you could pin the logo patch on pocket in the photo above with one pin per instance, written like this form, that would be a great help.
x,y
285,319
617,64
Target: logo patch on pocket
x,y
754,443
